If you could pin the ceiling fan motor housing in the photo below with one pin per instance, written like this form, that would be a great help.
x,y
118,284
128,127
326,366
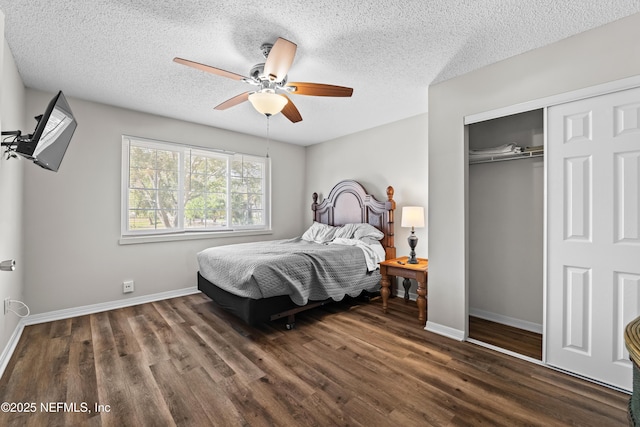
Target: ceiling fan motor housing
x,y
257,73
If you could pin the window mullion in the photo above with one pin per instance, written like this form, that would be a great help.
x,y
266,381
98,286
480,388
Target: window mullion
x,y
182,158
229,196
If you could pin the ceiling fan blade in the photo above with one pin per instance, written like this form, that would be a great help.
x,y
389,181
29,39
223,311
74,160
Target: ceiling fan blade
x,y
280,59
291,112
318,89
209,69
233,101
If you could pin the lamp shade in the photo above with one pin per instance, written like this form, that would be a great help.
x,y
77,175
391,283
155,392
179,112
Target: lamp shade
x,y
412,216
268,103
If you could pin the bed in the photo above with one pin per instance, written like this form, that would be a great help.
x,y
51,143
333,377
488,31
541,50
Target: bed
x,y
243,278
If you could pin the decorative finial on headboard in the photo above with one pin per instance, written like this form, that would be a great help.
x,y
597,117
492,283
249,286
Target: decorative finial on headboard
x,y
314,205
390,192
391,206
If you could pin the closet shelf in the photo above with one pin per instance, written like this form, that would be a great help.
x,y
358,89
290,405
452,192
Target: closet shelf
x,y
502,158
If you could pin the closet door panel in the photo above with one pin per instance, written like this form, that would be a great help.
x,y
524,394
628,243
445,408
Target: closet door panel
x,y
577,210
627,194
577,309
593,234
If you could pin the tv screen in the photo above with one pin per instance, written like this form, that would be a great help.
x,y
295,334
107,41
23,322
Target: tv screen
x,y
49,142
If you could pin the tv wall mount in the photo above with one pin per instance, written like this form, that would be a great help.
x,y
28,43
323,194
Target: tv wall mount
x,y
10,147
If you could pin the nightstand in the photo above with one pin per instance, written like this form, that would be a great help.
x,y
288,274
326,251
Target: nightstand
x,y
398,267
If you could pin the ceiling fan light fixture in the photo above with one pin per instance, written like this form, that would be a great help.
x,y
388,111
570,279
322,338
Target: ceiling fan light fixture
x,y
268,103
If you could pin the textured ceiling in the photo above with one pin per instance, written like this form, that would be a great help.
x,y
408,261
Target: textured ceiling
x,y
120,52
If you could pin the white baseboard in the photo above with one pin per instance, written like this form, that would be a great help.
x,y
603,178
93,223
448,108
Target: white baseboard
x,y
431,326
81,311
105,306
456,334
506,320
11,346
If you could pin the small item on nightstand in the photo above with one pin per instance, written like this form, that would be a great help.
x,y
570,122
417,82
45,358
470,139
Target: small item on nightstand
x,y
400,262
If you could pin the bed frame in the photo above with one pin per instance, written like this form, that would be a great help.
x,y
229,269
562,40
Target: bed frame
x,y
347,202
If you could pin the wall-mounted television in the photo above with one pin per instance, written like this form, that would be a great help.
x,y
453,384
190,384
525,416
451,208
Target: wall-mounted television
x,y
48,143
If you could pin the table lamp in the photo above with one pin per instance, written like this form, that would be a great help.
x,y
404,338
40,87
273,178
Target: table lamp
x,y
412,216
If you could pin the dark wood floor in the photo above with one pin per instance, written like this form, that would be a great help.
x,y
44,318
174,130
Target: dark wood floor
x,y
184,362
506,337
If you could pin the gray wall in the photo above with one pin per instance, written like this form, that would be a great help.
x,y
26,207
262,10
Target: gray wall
x,y
11,191
394,154
72,217
506,242
607,53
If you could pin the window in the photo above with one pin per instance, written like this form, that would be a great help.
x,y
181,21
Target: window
x,y
172,188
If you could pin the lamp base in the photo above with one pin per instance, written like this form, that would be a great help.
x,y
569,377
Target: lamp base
x,y
413,242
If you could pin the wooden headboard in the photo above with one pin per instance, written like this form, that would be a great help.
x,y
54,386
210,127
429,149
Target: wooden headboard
x,y
348,202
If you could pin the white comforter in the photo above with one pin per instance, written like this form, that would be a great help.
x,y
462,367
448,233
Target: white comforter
x,y
373,254
301,269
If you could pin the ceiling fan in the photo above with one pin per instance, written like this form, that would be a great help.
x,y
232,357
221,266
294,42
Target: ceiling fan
x,y
270,78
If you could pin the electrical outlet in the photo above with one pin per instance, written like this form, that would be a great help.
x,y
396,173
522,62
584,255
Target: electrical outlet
x,y
127,286
7,302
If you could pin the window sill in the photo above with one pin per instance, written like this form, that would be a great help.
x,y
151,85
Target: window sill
x,y
134,240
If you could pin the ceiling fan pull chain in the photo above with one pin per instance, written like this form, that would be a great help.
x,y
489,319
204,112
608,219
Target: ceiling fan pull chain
x,y
267,115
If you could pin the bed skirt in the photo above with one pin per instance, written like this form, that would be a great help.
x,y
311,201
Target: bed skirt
x,y
256,311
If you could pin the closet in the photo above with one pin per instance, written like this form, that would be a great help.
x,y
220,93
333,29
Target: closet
x,y
506,217
553,235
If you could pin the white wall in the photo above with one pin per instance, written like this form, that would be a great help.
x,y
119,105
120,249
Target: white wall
x,y
394,154
72,217
607,53
11,118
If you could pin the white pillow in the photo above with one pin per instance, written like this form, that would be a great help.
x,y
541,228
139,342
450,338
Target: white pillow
x,y
367,231
319,233
346,231
369,241
323,233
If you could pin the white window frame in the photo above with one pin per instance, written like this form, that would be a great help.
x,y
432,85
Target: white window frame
x,y
180,232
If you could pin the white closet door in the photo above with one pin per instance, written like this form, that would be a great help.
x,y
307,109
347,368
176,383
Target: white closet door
x,y
593,225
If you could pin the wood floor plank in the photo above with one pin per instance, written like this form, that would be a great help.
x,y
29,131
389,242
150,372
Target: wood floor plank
x,y
236,361
184,361
81,374
213,364
125,340
148,403
151,345
507,337
185,408
214,399
326,410
60,328
168,312
110,378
